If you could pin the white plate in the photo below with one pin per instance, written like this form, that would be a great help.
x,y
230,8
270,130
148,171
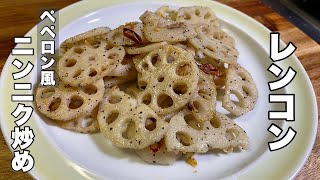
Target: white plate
x,y
92,156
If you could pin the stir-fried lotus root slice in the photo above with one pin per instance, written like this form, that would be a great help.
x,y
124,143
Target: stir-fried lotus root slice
x,y
167,12
168,117
206,29
86,124
157,154
203,104
240,83
215,48
186,134
197,15
157,29
133,91
167,78
215,33
65,103
129,34
144,48
91,35
186,46
214,68
225,38
110,81
88,34
85,64
127,124
125,68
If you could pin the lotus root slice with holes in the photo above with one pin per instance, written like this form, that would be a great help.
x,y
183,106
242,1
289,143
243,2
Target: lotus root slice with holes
x,y
157,154
133,91
65,103
203,104
127,124
167,12
145,48
86,124
82,65
215,48
116,37
186,134
216,33
197,15
95,35
168,117
157,29
167,78
88,34
124,68
186,46
240,83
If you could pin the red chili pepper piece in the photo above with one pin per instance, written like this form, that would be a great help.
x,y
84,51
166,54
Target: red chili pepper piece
x,y
209,69
132,35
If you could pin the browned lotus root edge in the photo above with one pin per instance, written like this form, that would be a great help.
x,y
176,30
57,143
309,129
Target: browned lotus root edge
x,y
215,48
186,134
157,154
85,124
84,64
157,29
65,103
127,124
197,15
240,83
164,85
203,104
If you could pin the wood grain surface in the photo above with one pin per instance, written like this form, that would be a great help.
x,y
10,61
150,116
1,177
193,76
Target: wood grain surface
x,y
17,17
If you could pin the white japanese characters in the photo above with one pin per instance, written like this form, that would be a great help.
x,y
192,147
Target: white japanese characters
x,y
288,99
48,48
23,136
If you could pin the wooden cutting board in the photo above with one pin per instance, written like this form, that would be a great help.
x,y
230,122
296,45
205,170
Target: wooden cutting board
x,y
18,17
